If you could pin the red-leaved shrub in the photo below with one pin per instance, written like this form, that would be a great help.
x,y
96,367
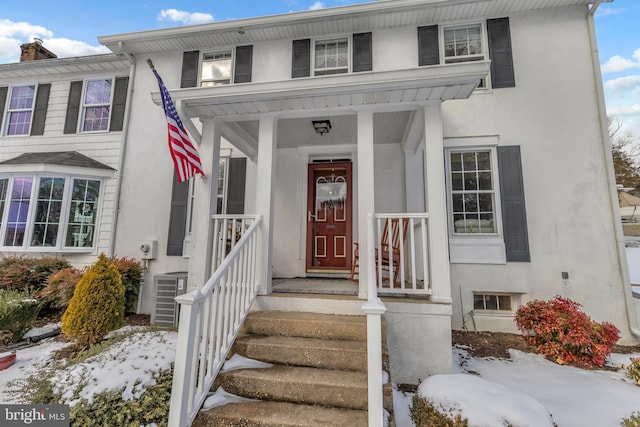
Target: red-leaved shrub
x,y
561,331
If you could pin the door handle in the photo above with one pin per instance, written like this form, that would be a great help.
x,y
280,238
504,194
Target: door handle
x,y
310,215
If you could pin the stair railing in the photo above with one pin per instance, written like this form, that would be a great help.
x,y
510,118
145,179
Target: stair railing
x,y
374,308
210,319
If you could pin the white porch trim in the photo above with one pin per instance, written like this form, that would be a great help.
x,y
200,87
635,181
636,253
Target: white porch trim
x,y
265,192
436,203
366,193
205,204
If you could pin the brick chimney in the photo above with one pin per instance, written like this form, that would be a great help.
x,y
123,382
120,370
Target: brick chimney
x,y
34,51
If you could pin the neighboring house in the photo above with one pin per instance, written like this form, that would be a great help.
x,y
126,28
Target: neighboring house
x,y
61,145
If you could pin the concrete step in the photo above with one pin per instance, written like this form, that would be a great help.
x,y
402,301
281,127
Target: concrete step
x,y
311,352
309,325
294,384
279,414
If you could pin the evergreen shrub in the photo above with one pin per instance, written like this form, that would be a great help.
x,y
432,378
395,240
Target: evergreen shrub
x,y
633,370
131,271
18,312
562,332
97,305
424,414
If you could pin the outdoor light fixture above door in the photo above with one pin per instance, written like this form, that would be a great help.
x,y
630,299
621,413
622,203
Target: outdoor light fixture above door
x,y
321,126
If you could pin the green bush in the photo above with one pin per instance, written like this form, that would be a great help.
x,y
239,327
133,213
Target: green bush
x,y
633,370
59,288
562,332
108,408
28,274
131,271
18,312
424,414
97,305
632,421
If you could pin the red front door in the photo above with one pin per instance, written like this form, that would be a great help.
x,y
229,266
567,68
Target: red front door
x,y
329,218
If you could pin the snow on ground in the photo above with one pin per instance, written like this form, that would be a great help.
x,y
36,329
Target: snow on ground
x,y
29,360
129,364
574,397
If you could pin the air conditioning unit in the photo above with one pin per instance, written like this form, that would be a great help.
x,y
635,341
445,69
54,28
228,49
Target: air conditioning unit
x,y
167,286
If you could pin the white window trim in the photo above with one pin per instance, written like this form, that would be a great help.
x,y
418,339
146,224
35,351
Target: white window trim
x,y
225,154
512,302
484,41
60,247
348,38
475,248
8,111
210,52
83,106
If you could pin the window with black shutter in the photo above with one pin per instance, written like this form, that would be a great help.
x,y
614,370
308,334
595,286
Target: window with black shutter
x,y
499,40
514,217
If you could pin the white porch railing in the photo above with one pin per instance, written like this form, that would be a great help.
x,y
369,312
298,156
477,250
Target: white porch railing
x,y
211,317
406,265
401,266
225,233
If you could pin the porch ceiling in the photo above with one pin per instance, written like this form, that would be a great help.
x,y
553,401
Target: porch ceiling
x,y
346,19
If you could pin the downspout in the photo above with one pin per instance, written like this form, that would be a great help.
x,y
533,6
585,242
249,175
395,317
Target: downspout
x,y
611,180
123,151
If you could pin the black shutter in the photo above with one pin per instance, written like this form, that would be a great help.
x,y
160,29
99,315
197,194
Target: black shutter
x,y
3,101
500,53
190,62
514,218
40,109
301,58
235,186
428,49
119,103
177,216
180,190
362,55
244,59
73,108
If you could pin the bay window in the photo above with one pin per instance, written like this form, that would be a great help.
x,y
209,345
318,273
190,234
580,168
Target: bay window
x,y
48,212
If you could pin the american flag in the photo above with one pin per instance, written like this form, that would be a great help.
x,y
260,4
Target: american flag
x,y
184,154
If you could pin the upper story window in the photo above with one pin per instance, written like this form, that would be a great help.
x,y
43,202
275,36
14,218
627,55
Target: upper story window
x,y
472,192
477,41
338,55
331,57
20,110
96,105
216,68
463,43
52,212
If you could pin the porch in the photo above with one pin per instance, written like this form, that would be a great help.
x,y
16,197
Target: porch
x,y
393,120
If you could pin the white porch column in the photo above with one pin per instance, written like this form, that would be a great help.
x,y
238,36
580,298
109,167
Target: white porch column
x,y
265,191
438,236
366,193
204,205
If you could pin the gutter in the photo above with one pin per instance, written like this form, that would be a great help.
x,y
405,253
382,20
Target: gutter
x,y
123,149
623,265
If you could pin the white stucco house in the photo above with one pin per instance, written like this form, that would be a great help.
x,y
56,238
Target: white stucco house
x,y
480,124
